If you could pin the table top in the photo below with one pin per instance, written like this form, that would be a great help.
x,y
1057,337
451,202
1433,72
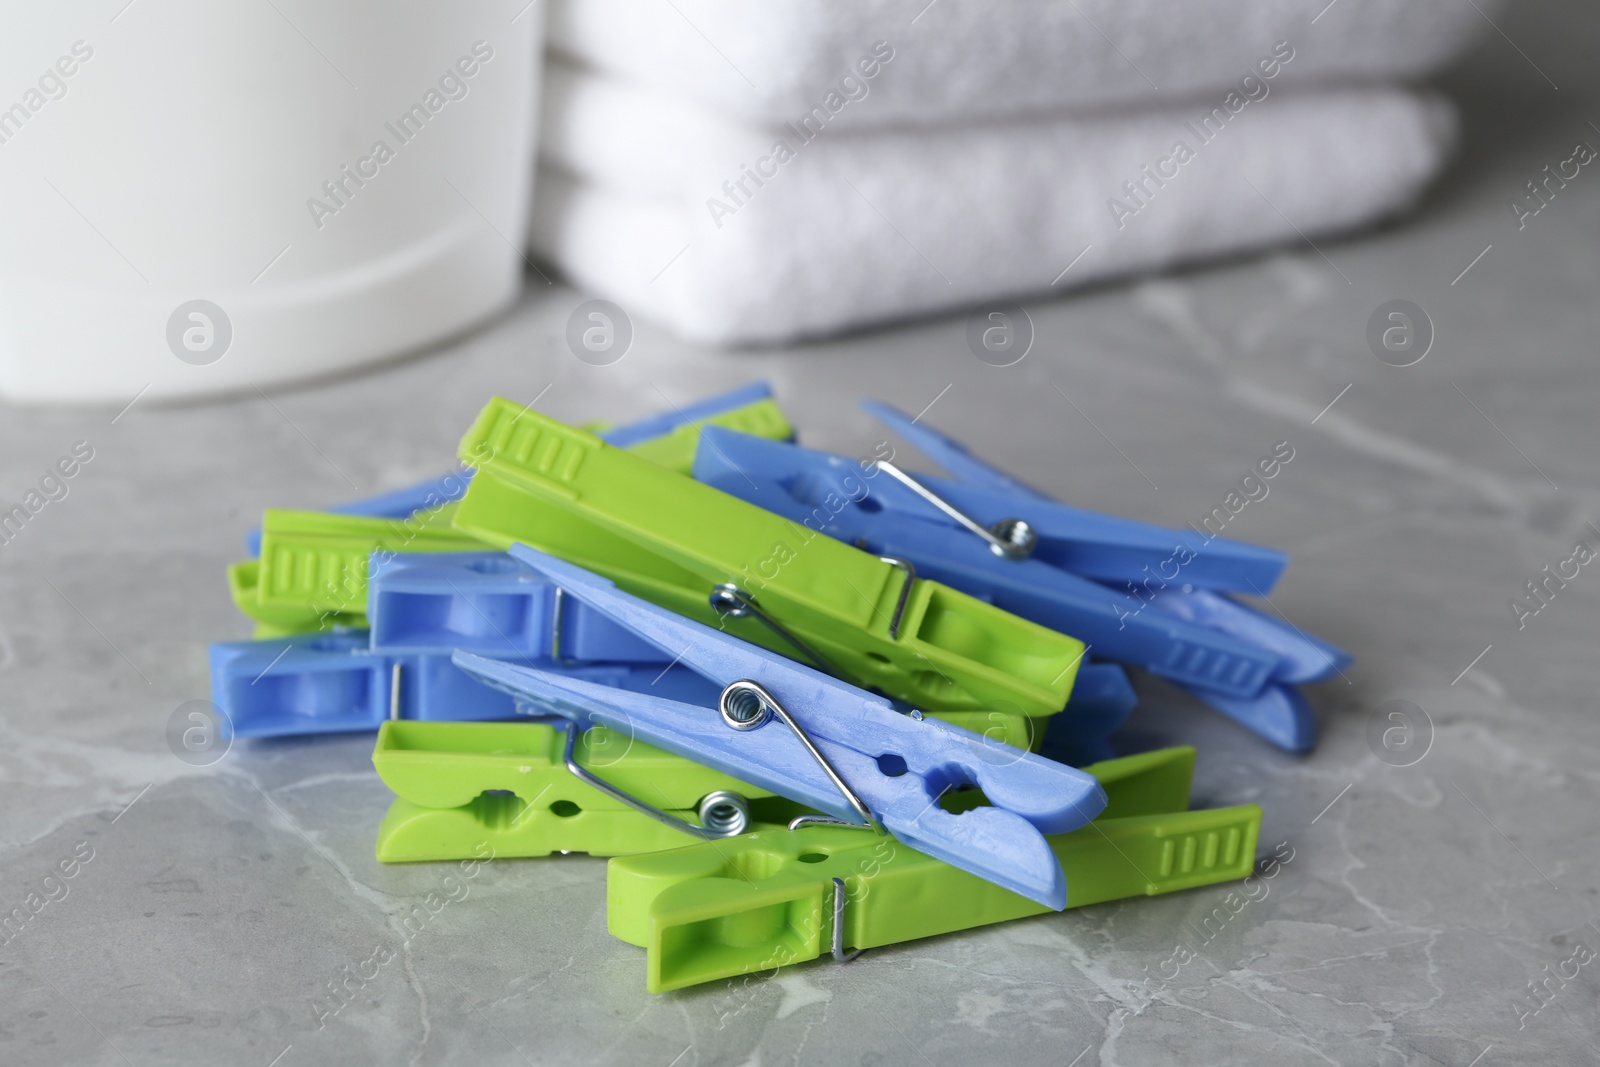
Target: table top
x,y
1436,912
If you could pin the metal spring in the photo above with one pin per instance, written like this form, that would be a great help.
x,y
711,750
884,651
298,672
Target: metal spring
x,y
742,708
725,813
746,704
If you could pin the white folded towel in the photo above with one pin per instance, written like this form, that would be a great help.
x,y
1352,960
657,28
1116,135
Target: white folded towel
x,y
640,200
771,62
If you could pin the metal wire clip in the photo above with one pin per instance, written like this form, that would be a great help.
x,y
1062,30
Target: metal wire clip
x,y
1008,538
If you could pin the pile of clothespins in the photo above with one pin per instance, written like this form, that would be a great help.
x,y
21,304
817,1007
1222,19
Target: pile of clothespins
x,y
798,696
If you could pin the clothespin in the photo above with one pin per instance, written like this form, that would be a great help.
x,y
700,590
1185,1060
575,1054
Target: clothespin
x,y
1302,657
1305,658
950,454
820,742
714,558
773,898
523,789
334,683
279,620
1278,712
882,515
1087,543
488,602
1102,699
313,569
668,439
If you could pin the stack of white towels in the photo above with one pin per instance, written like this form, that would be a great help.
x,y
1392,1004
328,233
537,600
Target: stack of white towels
x,y
750,173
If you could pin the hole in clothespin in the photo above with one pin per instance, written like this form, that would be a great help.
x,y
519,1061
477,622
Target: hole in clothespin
x,y
810,489
954,788
812,857
964,798
892,765
564,809
754,866
498,809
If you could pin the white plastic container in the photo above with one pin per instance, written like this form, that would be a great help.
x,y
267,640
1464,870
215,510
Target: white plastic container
x,y
194,200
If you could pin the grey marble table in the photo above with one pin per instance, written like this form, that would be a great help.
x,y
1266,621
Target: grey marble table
x,y
1441,912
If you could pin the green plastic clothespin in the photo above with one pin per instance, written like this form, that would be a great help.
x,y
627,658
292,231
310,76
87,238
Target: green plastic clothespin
x,y
244,579
675,450
312,573
702,553
767,899
278,611
463,785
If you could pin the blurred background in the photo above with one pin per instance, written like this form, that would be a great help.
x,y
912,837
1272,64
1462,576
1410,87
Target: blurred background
x,y
203,198
279,254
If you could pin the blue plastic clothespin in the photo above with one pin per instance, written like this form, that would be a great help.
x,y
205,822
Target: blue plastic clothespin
x,y
951,455
492,604
489,603
1241,678
822,742
653,426
1102,698
1087,543
1278,713
1305,658
874,511
447,488
335,683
